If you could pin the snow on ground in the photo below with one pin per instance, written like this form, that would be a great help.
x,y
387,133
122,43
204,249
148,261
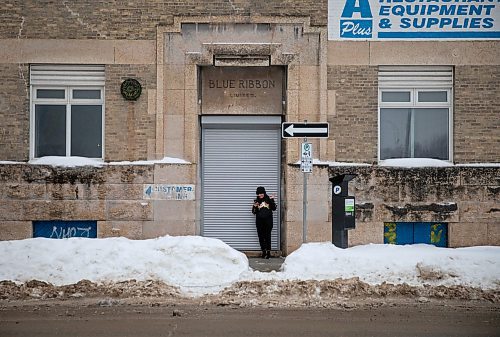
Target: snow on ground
x,y
412,264
195,264
199,265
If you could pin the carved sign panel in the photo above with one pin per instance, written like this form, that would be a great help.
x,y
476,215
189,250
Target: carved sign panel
x,y
242,90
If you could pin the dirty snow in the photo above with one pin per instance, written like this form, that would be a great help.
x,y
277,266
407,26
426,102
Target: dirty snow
x,y
198,265
412,264
193,263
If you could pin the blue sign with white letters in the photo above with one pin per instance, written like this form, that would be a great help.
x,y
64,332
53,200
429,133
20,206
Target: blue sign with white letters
x,y
64,229
354,28
413,19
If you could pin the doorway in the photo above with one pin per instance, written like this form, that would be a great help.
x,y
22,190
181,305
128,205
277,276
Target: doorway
x,y
239,153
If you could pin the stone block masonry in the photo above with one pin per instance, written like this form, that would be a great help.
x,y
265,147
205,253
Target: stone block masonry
x,y
132,20
440,194
111,195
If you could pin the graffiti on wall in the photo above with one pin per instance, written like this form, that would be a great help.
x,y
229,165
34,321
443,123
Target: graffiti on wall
x,y
404,233
64,229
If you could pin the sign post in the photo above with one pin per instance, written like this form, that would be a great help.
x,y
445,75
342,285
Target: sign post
x,y
305,167
299,130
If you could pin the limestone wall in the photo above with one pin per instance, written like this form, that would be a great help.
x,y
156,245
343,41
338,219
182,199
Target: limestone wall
x,y
466,198
111,195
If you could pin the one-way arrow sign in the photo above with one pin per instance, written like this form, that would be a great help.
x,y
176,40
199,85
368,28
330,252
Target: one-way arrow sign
x,y
308,130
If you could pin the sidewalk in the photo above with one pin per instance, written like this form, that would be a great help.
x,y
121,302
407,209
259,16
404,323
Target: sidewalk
x,y
266,265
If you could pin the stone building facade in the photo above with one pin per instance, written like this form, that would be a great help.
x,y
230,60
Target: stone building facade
x,y
173,49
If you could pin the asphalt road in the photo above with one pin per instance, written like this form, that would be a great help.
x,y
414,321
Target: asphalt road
x,y
417,319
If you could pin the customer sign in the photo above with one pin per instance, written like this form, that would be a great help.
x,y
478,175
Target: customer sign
x,y
384,20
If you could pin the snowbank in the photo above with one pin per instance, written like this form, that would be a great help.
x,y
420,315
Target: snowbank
x,y
199,265
195,264
412,264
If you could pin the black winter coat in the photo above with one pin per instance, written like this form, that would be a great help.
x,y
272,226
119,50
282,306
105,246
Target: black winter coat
x,y
264,211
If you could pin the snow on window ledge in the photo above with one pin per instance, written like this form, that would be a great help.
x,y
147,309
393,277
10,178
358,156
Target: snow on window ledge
x,y
66,161
333,163
165,160
60,161
415,162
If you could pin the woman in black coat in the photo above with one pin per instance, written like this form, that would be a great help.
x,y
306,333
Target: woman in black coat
x,y
263,208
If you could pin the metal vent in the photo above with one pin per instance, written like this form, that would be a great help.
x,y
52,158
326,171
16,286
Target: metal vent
x,y
415,76
85,75
241,61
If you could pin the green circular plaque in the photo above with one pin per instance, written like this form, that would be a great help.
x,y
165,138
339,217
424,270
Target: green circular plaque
x,y
131,89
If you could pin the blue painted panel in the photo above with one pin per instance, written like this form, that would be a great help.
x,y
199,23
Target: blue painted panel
x,y
404,233
64,229
421,232
390,233
439,234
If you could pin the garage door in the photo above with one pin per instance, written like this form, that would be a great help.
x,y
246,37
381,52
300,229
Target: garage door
x,y
238,154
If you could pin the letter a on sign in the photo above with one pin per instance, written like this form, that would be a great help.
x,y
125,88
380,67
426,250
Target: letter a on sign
x,y
350,8
359,27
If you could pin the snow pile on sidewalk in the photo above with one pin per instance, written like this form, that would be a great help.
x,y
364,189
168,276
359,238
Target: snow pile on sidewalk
x,y
415,265
195,264
199,265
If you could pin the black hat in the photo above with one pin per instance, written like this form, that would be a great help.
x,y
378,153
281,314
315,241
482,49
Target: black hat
x,y
260,190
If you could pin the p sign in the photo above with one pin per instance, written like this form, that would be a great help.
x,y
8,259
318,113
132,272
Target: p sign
x,y
356,20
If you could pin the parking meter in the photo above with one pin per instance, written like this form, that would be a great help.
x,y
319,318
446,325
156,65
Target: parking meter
x,y
343,209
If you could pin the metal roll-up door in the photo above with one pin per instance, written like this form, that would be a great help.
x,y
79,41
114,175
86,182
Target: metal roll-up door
x,y
236,158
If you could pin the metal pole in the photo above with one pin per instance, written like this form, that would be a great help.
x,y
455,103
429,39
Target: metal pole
x,y
304,205
304,209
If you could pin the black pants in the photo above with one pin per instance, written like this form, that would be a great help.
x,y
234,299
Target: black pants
x,y
264,232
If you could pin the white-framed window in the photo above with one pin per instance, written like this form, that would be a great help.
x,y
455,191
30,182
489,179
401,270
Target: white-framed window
x,y
415,112
67,111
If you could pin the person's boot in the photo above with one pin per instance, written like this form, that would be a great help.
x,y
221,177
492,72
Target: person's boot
x,y
268,254
263,254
